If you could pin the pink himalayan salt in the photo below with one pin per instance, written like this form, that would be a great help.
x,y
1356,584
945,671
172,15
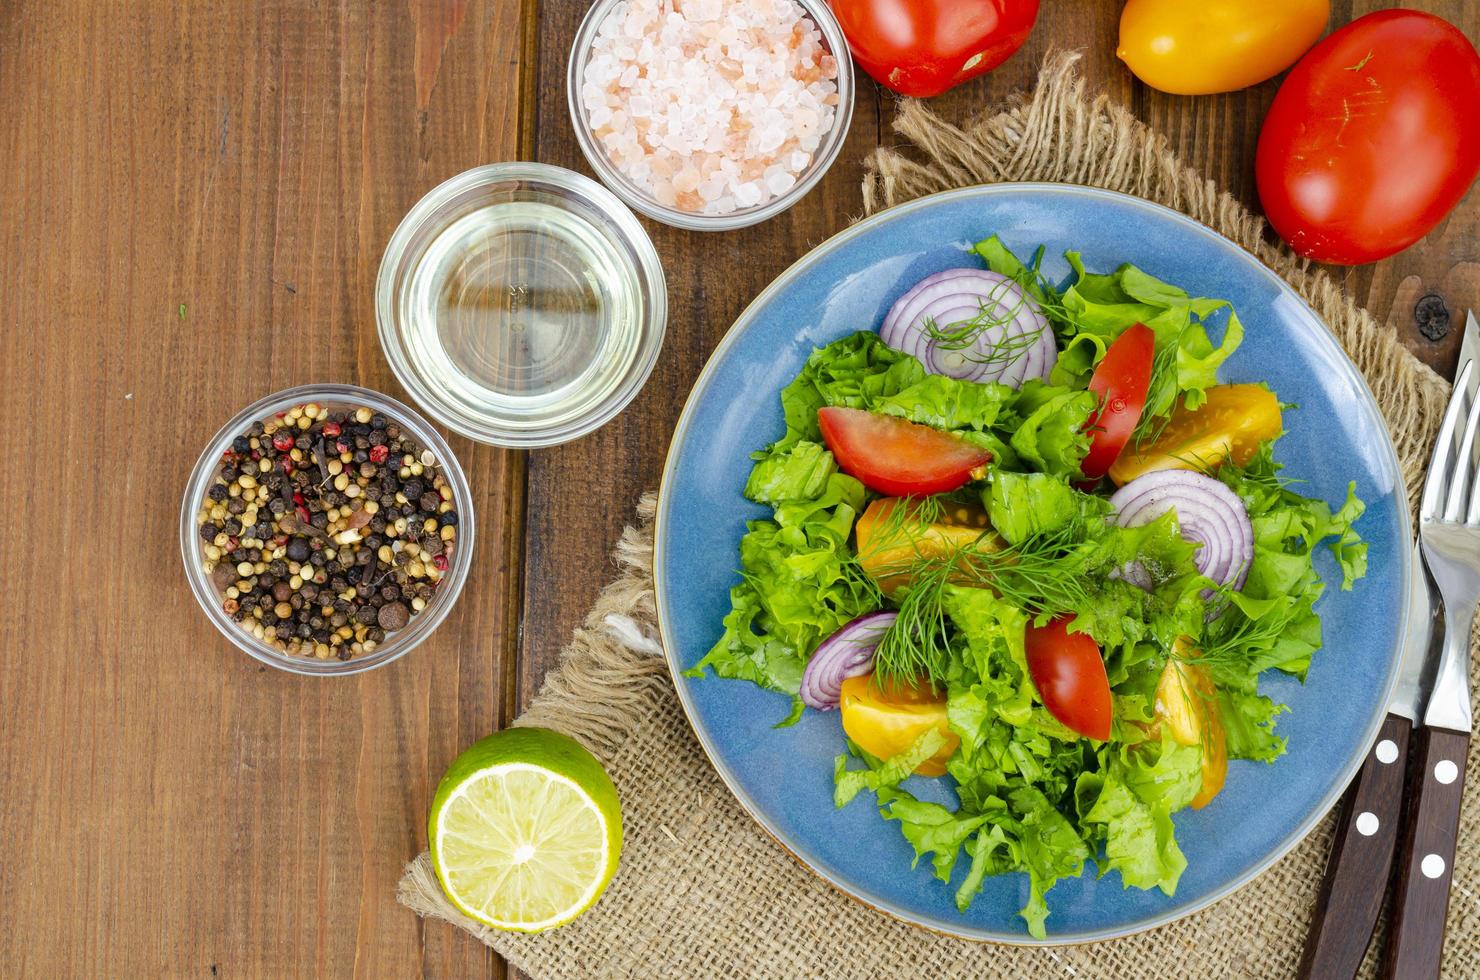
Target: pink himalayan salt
x,y
710,106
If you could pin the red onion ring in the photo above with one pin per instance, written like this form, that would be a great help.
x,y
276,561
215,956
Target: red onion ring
x,y
1208,513
849,652
960,295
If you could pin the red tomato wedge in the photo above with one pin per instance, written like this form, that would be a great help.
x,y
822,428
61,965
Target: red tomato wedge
x,y
1121,381
1070,676
895,457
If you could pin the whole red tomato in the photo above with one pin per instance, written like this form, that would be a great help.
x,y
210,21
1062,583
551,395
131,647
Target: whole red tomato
x,y
1373,137
923,47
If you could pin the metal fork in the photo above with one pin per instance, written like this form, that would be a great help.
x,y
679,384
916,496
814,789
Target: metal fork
x,y
1449,529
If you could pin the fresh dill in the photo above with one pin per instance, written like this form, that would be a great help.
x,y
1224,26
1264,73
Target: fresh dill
x,y
1161,397
1045,574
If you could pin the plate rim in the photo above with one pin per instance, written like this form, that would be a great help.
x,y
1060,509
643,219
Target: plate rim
x,y
666,634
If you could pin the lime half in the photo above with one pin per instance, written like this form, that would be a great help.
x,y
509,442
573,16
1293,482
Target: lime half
x,y
525,830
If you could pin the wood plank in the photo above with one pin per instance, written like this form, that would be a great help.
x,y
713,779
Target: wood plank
x,y
196,201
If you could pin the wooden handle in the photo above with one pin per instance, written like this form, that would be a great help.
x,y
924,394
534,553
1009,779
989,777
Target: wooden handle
x,y
1427,857
1361,859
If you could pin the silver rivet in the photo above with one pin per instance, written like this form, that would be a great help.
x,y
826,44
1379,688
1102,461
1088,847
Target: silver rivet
x,y
1432,866
1387,751
1445,771
1367,823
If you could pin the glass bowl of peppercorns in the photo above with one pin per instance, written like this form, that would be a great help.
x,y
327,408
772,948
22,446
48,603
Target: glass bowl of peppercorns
x,y
327,529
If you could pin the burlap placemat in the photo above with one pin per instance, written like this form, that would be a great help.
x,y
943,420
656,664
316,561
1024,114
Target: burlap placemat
x,y
702,891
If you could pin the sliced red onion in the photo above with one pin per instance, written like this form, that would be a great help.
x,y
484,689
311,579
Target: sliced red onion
x,y
849,652
1208,513
1018,346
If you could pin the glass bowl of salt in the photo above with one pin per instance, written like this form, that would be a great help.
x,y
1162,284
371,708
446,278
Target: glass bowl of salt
x,y
710,114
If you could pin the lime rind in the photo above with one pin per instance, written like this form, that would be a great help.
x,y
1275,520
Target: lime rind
x,y
525,830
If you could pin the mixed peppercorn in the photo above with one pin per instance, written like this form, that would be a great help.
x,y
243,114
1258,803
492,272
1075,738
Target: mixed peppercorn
x,y
326,529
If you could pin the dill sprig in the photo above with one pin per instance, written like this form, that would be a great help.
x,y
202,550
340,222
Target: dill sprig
x,y
1043,575
1162,390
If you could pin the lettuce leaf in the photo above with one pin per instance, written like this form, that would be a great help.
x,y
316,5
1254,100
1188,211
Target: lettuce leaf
x,y
798,579
1051,437
854,372
1021,505
882,774
798,473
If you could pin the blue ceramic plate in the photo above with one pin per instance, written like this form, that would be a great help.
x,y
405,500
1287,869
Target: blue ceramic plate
x,y
784,777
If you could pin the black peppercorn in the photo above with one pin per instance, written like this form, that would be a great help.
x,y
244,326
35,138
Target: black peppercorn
x,y
448,519
232,527
393,616
241,445
412,488
298,550
218,492
208,531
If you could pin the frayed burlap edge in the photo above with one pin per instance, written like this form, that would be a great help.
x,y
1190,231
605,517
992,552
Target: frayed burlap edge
x,y
1064,134
612,689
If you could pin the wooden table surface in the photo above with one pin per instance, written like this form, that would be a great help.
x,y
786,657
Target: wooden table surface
x,y
195,202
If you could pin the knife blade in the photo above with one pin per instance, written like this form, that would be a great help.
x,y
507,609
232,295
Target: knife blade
x,y
1410,690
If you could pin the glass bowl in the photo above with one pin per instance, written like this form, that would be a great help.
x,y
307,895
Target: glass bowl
x,y
827,151
521,304
332,396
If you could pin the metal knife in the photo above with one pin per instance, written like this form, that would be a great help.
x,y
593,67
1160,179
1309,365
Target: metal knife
x,y
1435,790
1369,827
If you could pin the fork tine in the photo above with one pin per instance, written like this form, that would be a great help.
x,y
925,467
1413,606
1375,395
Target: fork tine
x,y
1459,482
1437,483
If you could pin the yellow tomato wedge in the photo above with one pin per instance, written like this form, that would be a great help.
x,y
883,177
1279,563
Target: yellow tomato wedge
x,y
889,543
886,719
1231,424
1186,702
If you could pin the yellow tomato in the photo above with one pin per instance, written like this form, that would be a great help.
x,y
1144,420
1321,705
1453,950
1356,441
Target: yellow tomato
x,y
884,720
1229,425
1196,47
1186,703
888,544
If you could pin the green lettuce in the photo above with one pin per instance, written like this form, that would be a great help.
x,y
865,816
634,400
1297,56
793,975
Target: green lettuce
x,y
1094,308
1033,796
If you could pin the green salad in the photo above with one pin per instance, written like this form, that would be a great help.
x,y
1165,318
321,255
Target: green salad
x,y
1024,540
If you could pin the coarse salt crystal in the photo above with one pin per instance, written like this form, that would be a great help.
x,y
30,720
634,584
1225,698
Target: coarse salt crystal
x,y
709,105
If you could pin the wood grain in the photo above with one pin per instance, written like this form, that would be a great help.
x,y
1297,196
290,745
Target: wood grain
x,y
195,203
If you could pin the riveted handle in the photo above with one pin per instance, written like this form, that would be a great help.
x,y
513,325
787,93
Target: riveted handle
x,y
1426,861
1361,860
